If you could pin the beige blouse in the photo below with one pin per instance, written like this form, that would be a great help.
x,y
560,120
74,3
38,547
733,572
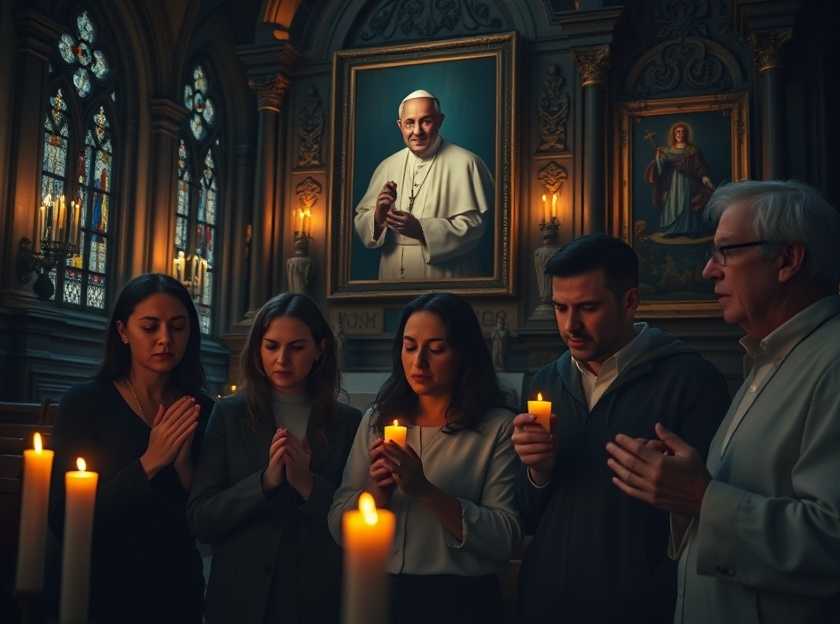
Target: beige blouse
x,y
478,467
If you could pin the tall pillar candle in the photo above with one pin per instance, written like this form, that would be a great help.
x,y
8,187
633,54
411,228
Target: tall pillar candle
x,y
78,532
37,468
368,535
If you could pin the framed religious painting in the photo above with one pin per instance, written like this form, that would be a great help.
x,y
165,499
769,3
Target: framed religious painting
x,y
672,154
423,169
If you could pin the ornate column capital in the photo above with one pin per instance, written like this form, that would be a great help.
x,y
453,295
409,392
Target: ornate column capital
x,y
592,64
270,91
167,116
767,48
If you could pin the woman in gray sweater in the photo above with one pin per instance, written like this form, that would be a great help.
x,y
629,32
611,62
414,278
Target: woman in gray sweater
x,y
452,486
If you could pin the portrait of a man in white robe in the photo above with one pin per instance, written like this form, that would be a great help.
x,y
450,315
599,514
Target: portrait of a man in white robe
x,y
428,206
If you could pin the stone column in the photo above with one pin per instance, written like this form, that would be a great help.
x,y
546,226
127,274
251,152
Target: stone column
x,y
592,65
167,118
238,238
37,36
767,47
265,245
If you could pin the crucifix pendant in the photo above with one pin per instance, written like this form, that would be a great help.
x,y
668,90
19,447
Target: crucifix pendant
x,y
411,199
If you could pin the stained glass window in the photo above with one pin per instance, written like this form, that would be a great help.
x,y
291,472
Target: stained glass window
x,y
78,159
200,105
79,53
196,215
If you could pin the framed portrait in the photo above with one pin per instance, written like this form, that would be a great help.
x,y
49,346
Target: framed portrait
x,y
672,154
453,199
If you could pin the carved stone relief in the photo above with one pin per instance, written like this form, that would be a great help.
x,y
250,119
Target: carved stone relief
x,y
592,65
310,130
678,19
767,48
692,64
308,191
553,176
553,112
400,20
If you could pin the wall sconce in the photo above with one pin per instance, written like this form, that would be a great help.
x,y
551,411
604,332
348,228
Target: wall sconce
x,y
191,271
57,238
299,266
549,226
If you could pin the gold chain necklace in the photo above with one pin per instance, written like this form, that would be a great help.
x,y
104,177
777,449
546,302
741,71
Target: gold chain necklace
x,y
412,194
140,409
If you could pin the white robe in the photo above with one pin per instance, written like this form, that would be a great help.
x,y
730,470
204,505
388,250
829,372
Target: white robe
x,y
456,191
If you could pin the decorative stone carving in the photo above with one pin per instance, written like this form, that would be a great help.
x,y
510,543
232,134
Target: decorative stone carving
x,y
689,65
679,19
392,20
553,112
310,129
270,91
308,191
553,177
499,341
299,267
592,64
767,48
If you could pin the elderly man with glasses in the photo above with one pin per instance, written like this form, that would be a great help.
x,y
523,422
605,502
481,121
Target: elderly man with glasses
x,y
757,528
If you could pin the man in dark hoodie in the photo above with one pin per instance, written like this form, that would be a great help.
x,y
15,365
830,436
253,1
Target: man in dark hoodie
x,y
598,555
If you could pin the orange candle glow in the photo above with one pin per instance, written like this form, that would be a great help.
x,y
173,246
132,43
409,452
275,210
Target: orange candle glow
x,y
542,411
554,206
78,531
395,432
368,535
545,209
37,468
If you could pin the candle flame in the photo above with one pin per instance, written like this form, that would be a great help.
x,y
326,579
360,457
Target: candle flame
x,y
233,387
539,396
80,464
368,508
396,423
39,445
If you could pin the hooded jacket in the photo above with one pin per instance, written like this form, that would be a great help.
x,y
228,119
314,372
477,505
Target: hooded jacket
x,y
598,554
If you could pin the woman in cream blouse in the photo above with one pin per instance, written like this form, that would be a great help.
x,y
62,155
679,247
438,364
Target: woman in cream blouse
x,y
452,488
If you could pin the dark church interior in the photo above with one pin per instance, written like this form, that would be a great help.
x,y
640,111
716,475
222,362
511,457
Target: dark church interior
x,y
232,145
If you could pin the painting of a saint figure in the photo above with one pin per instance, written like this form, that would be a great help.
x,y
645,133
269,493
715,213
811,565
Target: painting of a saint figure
x,y
681,184
674,153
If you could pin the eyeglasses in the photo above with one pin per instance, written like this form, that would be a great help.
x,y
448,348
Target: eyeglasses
x,y
719,253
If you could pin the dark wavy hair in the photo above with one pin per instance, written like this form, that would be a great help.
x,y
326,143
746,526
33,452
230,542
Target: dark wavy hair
x,y
611,255
188,375
476,388
324,380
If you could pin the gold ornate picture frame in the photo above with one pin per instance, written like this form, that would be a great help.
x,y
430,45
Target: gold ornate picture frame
x,y
475,81
671,155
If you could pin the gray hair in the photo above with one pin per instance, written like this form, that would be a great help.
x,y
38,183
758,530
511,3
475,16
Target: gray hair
x,y
433,99
789,212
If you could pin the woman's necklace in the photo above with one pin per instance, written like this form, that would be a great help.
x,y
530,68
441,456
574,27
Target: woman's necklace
x,y
138,404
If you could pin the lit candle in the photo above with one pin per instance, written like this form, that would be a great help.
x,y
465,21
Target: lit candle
x,y
554,206
78,529
39,235
545,209
48,220
77,223
541,410
368,535
61,224
307,222
395,433
37,468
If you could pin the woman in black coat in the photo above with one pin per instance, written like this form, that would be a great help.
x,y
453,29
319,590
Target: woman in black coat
x,y
139,425
272,458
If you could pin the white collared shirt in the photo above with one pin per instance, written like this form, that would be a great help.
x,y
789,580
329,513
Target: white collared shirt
x,y
594,386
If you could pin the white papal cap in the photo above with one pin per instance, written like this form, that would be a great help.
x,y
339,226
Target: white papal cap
x,y
419,93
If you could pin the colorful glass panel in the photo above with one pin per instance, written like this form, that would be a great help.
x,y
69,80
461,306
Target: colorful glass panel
x,y
96,292
65,47
72,287
81,79
86,30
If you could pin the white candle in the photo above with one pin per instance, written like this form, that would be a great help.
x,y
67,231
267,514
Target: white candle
x,y
78,532
37,468
368,535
